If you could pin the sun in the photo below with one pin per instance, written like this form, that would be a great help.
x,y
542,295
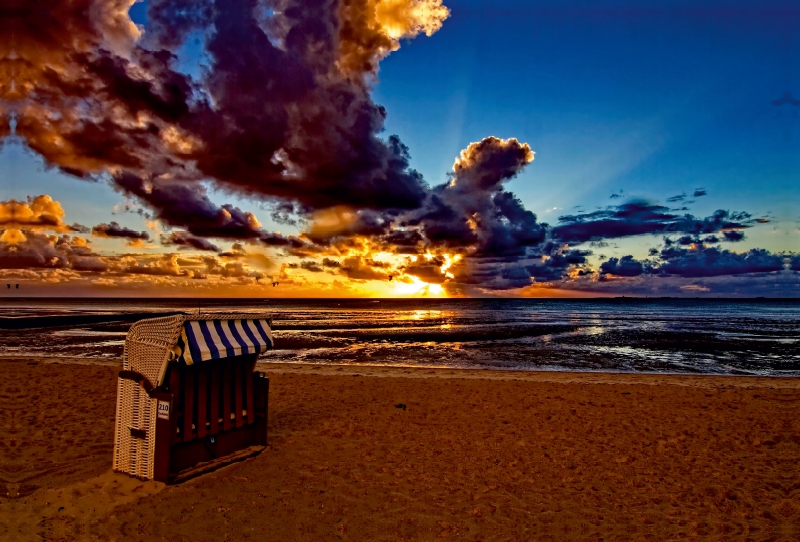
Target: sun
x,y
418,288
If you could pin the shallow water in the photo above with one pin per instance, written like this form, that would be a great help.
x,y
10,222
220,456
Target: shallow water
x,y
632,335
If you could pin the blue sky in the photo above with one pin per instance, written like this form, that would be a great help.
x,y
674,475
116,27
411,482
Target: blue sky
x,y
653,105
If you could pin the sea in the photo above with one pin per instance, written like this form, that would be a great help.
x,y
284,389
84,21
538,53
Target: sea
x,y
633,335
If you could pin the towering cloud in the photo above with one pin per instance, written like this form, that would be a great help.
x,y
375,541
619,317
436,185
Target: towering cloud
x,y
282,112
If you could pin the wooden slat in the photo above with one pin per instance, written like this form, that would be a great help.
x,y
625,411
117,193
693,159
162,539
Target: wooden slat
x,y
248,378
175,390
238,385
201,400
174,379
214,398
188,403
227,377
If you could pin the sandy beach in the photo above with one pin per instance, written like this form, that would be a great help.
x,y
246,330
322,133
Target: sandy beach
x,y
474,455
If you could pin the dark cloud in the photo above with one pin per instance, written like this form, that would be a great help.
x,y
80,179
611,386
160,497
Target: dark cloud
x,y
699,192
114,230
79,228
473,210
187,205
639,218
614,196
475,217
622,267
312,266
285,213
403,241
429,271
733,235
697,261
187,240
282,111
713,261
556,261
679,197
359,268
33,250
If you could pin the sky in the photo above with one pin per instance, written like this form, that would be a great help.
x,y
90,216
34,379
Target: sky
x,y
400,148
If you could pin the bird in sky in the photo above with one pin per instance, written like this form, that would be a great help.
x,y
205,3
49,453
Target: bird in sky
x,y
390,278
275,284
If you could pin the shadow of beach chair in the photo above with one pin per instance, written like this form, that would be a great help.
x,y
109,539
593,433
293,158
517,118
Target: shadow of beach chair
x,y
188,399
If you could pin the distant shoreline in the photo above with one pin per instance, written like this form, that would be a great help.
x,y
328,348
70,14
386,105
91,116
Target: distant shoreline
x,y
599,299
32,322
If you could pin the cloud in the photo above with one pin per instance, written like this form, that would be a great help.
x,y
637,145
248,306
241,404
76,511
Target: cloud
x,y
712,261
640,218
283,110
679,197
29,254
622,267
37,213
372,29
185,239
114,230
187,205
733,235
473,216
473,210
699,192
314,267
40,251
698,261
359,268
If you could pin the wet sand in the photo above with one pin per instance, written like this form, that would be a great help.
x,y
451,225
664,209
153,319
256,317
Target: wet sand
x,y
475,455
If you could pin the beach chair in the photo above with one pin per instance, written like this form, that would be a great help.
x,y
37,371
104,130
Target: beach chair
x,y
188,394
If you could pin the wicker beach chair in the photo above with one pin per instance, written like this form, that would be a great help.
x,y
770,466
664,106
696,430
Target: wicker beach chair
x,y
188,393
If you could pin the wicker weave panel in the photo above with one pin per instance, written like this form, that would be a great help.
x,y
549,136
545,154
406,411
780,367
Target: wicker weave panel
x,y
148,350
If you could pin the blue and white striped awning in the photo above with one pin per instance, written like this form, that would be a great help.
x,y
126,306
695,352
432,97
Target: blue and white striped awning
x,y
203,340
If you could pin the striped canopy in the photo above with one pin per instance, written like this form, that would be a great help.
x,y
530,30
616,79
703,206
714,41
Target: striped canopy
x,y
202,340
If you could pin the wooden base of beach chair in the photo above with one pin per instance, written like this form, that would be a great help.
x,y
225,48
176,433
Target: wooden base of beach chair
x,y
206,467
218,410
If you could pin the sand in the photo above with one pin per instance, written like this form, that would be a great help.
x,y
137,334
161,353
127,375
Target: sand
x,y
475,455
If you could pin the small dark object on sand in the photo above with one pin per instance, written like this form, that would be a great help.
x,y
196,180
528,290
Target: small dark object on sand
x,y
401,405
